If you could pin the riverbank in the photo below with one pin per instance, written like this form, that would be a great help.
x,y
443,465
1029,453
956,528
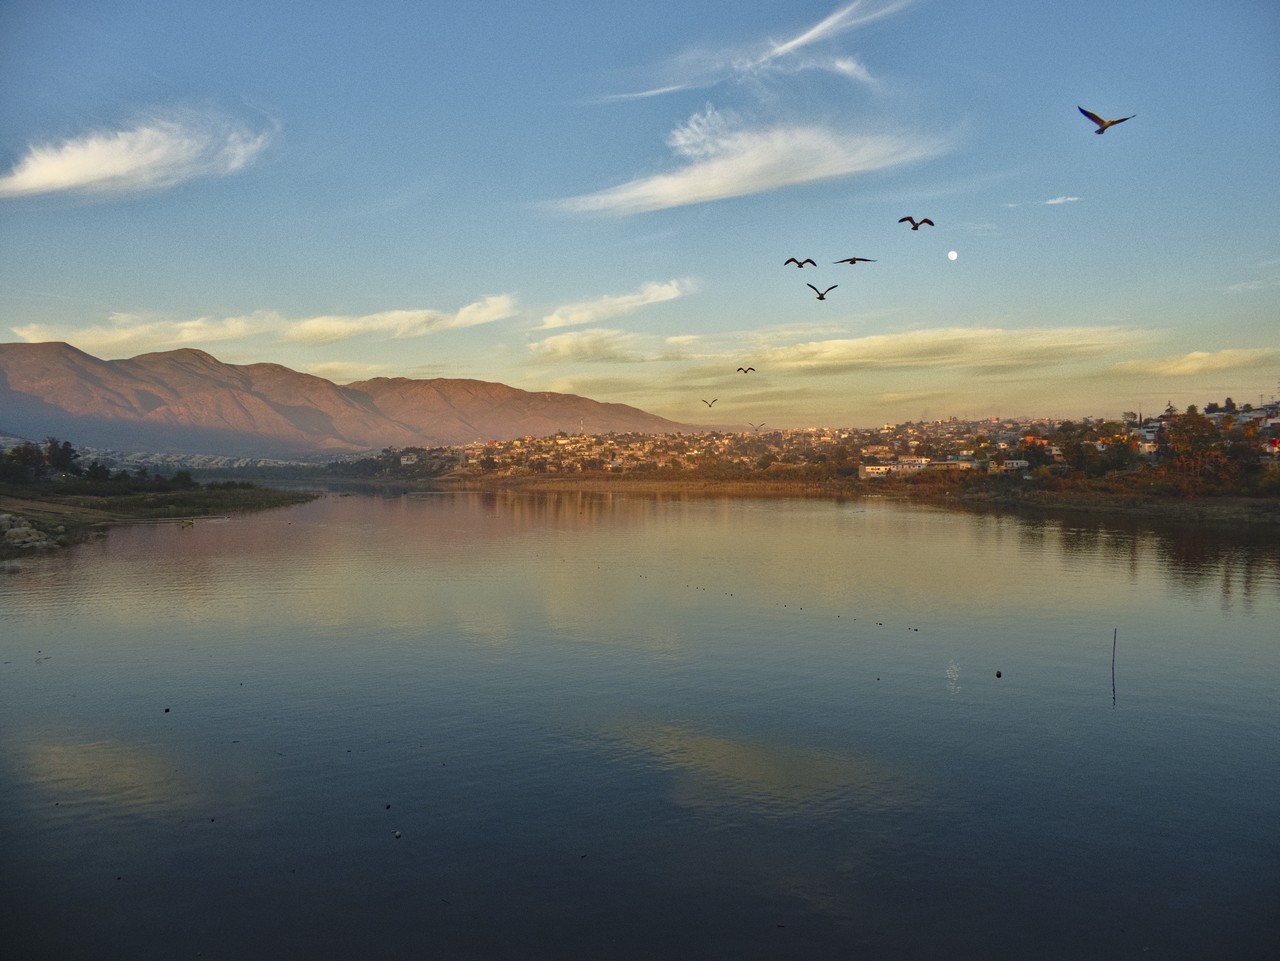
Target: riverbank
x,y
42,519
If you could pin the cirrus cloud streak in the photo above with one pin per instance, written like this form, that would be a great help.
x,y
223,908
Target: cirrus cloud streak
x,y
706,67
955,348
132,333
1203,362
721,160
154,153
614,305
397,324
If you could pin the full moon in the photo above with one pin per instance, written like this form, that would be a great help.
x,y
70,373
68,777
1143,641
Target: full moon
x,y
952,255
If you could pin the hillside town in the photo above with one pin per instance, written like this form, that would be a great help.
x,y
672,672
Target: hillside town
x,y
1222,442
1215,442
1222,450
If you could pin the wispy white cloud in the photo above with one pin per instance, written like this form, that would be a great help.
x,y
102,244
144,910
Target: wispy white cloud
x,y
700,68
853,69
1052,202
720,159
343,372
590,346
397,324
844,19
645,94
971,351
954,348
134,333
614,305
137,333
153,153
1203,362
1270,277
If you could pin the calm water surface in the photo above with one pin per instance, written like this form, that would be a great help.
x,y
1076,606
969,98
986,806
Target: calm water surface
x,y
593,727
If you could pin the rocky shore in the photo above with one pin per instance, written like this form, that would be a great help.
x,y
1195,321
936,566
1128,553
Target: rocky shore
x,y
20,535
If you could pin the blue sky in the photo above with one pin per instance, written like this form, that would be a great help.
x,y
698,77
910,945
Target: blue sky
x,y
599,199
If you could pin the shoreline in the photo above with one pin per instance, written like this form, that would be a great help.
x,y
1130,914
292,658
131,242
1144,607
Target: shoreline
x,y
65,522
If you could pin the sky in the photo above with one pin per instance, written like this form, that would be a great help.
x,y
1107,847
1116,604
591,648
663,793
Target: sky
x,y
599,199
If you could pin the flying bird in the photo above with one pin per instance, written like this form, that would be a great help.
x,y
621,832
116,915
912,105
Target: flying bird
x,y
915,224
855,260
709,402
743,370
822,294
1103,124
798,263
756,427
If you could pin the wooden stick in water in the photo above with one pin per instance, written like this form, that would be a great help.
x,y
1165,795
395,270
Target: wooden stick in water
x,y
1114,633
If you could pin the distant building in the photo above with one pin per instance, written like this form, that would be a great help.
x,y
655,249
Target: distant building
x,y
868,471
1010,466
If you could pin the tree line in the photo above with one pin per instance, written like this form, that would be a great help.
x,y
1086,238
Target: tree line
x,y
29,463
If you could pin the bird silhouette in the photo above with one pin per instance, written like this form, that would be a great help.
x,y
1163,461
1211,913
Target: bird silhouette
x,y
743,370
709,402
798,263
756,427
855,260
1103,124
822,294
915,224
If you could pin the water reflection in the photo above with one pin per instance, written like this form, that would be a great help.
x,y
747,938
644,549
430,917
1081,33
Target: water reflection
x,y
671,724
1231,559
120,776
719,773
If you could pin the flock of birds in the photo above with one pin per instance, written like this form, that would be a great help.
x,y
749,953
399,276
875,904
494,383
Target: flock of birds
x,y
1099,122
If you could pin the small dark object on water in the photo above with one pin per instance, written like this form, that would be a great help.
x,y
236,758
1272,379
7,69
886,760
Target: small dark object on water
x,y
397,834
388,807
998,674
166,710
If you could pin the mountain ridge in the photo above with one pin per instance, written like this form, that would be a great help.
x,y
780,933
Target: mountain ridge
x,y
188,401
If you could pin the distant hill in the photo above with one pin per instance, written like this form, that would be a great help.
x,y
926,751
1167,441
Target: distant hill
x,y
190,402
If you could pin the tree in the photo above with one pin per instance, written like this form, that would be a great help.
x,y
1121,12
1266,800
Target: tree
x,y
1190,442
29,457
61,456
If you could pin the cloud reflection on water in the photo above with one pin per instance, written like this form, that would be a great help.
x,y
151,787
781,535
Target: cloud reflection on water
x,y
120,776
718,772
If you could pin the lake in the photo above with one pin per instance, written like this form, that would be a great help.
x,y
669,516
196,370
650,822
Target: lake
x,y
594,726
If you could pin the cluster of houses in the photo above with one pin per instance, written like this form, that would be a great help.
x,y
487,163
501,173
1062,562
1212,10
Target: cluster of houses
x,y
994,446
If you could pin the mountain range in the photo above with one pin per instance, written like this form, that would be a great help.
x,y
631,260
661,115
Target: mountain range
x,y
187,401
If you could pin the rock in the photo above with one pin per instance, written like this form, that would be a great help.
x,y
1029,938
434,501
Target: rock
x,y
19,533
